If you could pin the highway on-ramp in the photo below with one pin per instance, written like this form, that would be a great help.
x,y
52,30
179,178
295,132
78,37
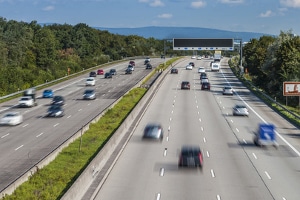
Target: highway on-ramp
x,y
234,168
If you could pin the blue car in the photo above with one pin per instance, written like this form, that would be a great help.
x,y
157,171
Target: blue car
x,y
48,94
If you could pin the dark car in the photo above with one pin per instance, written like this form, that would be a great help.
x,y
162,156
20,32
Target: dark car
x,y
93,74
192,64
55,111
146,61
108,75
148,66
132,63
48,93
153,131
113,71
190,156
174,71
205,86
203,75
58,100
89,95
128,71
185,85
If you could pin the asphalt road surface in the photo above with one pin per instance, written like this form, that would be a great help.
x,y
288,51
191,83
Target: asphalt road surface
x,y
234,168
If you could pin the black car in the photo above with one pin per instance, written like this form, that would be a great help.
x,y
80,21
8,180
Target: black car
x,y
146,62
203,75
153,131
185,85
148,66
113,71
58,100
174,71
190,156
192,64
93,74
205,86
89,95
108,75
55,111
128,71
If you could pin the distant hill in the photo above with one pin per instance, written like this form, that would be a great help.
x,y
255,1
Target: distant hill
x,y
158,32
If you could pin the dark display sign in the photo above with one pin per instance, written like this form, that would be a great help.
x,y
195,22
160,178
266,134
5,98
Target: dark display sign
x,y
203,44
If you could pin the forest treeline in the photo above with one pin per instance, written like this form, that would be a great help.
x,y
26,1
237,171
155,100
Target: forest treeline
x,y
31,54
270,61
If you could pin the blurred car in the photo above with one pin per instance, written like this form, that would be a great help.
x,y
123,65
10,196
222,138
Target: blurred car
x,y
58,100
113,71
89,95
148,66
227,90
11,119
146,62
204,80
199,57
240,110
90,81
48,93
128,71
132,63
201,70
203,75
153,131
189,67
100,72
55,111
174,71
193,57
108,75
185,85
162,56
205,86
93,74
130,67
190,156
192,64
26,101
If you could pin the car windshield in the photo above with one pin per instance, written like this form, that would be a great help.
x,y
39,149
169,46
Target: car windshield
x,y
11,115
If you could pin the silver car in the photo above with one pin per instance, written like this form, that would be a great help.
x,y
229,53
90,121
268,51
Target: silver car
x,y
227,90
240,110
153,131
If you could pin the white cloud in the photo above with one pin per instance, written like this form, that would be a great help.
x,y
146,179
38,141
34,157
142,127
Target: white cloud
x,y
157,3
268,13
198,4
48,8
165,16
231,1
291,3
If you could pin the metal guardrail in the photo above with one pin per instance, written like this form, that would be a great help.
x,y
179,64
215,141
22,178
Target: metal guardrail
x,y
277,103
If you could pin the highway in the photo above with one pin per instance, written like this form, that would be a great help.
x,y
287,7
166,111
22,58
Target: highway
x,y
234,168
23,146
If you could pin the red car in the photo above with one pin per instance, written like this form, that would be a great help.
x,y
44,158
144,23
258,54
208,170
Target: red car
x,y
100,72
190,156
132,63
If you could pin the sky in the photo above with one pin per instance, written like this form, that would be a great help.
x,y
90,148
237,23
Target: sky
x,y
259,16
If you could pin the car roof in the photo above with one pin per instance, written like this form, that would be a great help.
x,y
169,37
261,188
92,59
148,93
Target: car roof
x,y
190,149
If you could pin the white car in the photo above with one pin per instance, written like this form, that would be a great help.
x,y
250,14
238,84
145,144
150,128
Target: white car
x,y
227,90
26,101
90,81
189,67
199,57
11,118
240,110
201,69
193,57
